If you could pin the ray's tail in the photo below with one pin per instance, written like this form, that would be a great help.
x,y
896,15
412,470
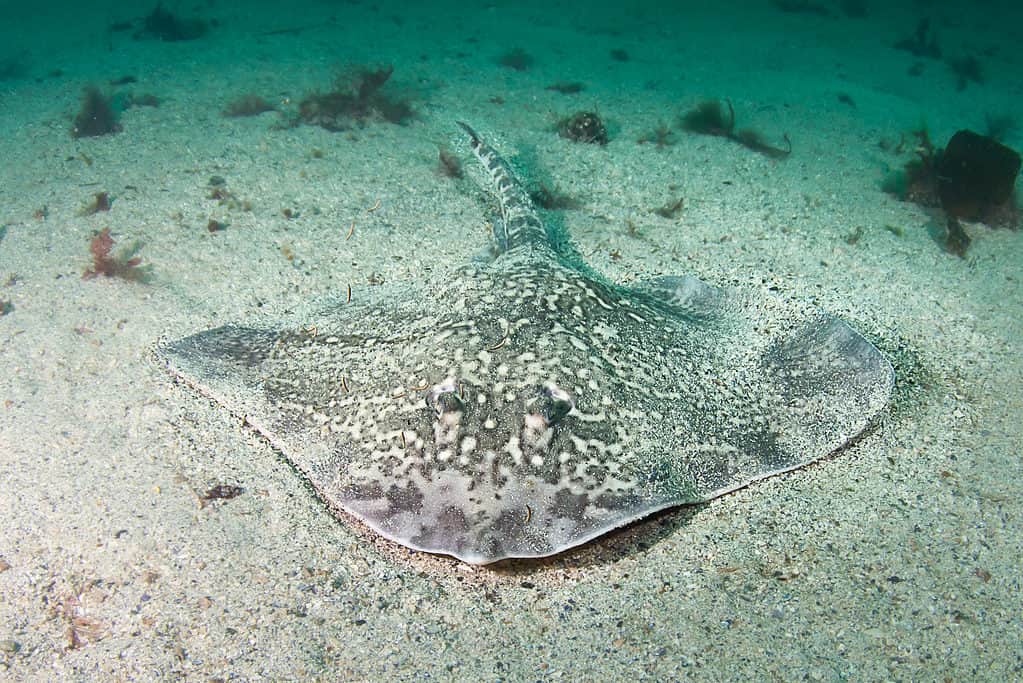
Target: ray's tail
x,y
520,226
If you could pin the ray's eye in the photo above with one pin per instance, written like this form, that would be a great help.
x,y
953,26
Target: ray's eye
x,y
448,402
445,399
553,403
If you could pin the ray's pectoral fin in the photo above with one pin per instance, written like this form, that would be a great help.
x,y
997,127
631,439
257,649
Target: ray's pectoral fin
x,y
826,357
687,295
221,362
222,350
829,383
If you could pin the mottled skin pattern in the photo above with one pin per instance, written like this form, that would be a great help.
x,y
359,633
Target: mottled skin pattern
x,y
522,407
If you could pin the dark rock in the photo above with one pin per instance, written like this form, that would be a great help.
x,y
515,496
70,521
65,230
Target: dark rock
x,y
976,176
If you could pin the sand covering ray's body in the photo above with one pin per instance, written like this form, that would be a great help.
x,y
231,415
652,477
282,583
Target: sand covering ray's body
x,y
525,406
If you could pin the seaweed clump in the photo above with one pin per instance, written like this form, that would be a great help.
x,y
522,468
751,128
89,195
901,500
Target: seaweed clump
x,y
553,199
672,209
922,43
917,182
12,68
100,202
96,116
356,99
448,165
517,59
660,137
217,187
708,118
222,492
247,105
584,126
160,24
125,265
567,87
